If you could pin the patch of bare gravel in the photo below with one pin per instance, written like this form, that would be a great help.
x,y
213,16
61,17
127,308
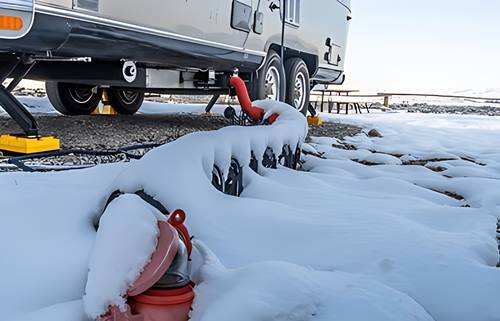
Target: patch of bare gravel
x,y
336,130
103,133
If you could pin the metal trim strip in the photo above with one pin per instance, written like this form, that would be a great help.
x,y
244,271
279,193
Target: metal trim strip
x,y
21,5
125,25
17,7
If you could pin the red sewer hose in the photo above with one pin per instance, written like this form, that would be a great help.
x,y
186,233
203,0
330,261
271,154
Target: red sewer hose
x,y
254,112
177,219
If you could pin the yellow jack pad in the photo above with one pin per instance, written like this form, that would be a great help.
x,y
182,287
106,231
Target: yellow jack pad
x,y
315,121
24,145
106,109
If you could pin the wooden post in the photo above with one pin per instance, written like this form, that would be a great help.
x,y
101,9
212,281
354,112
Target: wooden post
x,y
322,99
386,101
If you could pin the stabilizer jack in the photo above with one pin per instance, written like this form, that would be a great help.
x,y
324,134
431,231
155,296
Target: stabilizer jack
x,y
30,141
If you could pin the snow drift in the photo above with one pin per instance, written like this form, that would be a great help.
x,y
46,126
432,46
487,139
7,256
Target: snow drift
x,y
340,241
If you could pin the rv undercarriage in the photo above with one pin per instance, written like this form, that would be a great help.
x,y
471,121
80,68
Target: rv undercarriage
x,y
127,74
75,85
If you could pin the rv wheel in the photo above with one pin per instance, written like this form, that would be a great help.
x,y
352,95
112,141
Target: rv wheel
x,y
73,99
125,102
298,87
267,83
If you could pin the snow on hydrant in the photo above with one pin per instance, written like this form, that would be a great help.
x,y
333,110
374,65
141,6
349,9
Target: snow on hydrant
x,y
143,258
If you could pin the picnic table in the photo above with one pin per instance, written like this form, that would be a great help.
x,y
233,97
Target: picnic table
x,y
338,99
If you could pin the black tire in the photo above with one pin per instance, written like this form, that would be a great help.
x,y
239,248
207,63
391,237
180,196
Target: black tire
x,y
72,99
261,88
298,86
125,102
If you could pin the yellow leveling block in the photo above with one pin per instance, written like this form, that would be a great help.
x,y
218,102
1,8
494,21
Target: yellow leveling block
x,y
24,145
316,121
106,109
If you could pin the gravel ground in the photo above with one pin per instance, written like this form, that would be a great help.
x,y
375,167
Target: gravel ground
x,y
461,110
336,130
101,133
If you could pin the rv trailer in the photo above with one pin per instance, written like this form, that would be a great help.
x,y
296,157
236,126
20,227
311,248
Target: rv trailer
x,y
129,48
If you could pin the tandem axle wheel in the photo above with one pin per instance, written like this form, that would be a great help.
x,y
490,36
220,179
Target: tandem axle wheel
x,y
78,99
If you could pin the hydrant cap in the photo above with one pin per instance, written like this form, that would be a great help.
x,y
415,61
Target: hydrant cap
x,y
162,258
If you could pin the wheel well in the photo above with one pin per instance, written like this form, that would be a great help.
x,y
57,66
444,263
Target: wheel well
x,y
310,59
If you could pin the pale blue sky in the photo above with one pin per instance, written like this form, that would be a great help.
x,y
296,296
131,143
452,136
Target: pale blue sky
x,y
424,45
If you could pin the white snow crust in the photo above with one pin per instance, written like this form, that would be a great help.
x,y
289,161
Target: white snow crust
x,y
125,240
340,241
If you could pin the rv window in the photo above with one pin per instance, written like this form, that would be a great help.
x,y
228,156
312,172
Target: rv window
x,y
293,11
86,4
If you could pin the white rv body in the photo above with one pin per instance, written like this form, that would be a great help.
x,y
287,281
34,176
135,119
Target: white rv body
x,y
189,37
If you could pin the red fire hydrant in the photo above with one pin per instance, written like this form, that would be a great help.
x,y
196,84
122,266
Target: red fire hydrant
x,y
164,291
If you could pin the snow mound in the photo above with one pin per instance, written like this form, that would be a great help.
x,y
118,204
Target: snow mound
x,y
287,292
68,311
378,158
126,239
338,241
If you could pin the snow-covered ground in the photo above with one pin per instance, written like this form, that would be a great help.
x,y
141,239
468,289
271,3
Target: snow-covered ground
x,y
443,101
492,93
42,106
340,241
397,100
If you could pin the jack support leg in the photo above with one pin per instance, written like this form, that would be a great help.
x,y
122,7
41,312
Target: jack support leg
x,y
212,103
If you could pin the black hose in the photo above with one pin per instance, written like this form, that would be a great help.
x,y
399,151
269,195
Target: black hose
x,y
498,241
19,160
